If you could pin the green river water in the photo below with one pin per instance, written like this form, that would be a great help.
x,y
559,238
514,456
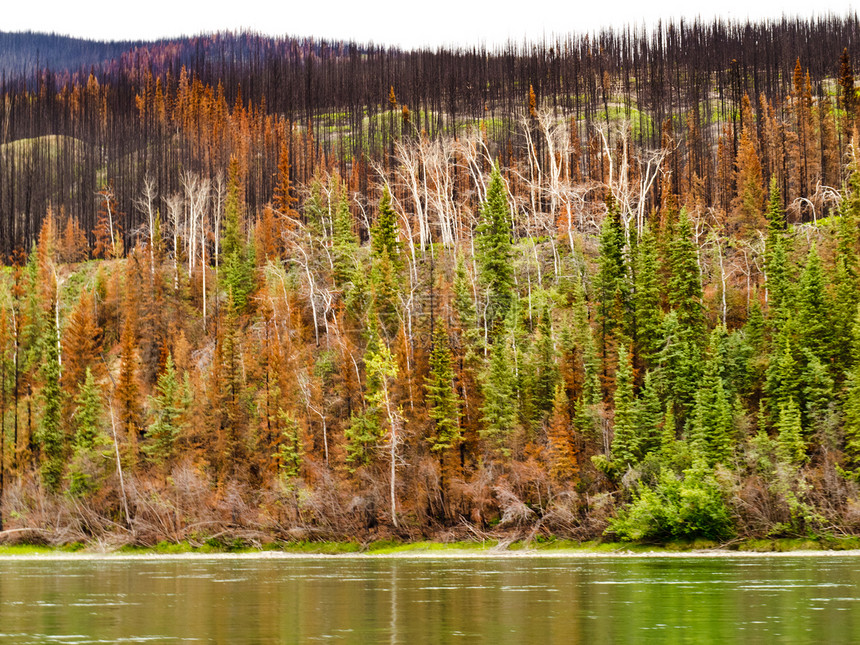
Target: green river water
x,y
421,600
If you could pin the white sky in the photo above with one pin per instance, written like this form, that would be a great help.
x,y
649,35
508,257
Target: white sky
x,y
408,23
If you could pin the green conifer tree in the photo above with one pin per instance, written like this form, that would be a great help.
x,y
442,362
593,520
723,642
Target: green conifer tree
x,y
783,375
612,291
166,413
500,406
685,286
384,235
546,372
88,413
712,423
50,431
790,447
679,364
625,441
851,404
290,448
649,416
441,398
814,308
237,260
494,250
344,242
646,299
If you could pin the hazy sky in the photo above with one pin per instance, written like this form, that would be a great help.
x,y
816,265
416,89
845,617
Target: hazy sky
x,y
410,23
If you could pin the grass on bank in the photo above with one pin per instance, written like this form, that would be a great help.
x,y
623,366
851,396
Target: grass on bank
x,y
392,547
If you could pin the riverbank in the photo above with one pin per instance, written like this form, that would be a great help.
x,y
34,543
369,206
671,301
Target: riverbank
x,y
848,546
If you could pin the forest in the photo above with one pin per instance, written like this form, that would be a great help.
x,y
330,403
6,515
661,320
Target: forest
x,y
267,289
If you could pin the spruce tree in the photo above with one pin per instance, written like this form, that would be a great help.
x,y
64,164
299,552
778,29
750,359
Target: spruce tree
x,y
50,433
783,374
814,308
499,411
441,398
780,289
88,413
365,429
646,299
625,442
166,412
546,373
712,423
679,364
387,263
816,392
291,451
851,404
237,261
685,286
384,235
649,416
846,281
790,447
612,291
494,250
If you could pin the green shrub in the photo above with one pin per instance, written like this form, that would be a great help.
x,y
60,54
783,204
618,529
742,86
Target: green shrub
x,y
676,508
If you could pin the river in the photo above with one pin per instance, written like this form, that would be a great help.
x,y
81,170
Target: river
x,y
426,600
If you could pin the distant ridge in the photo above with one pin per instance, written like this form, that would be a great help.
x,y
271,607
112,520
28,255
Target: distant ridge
x,y
21,53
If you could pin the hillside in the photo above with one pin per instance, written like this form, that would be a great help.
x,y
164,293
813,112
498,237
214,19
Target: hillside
x,y
282,290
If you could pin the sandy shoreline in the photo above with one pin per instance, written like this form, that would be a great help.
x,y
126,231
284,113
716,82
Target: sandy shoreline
x,y
454,554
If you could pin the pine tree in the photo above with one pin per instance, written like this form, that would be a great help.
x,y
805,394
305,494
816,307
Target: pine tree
x,y
441,398
232,396
494,251
283,200
127,387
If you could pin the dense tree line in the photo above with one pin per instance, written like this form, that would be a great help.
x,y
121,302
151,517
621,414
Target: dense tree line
x,y
233,328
